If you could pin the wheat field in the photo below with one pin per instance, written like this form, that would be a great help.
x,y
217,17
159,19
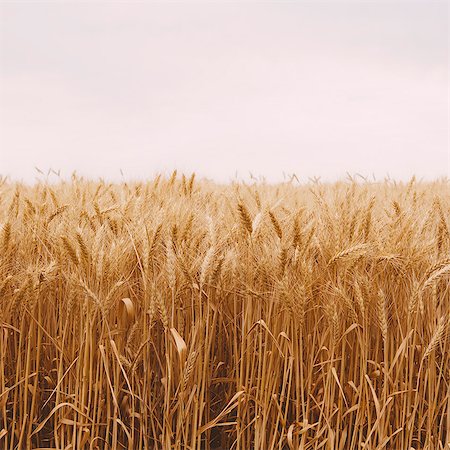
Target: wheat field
x,y
184,314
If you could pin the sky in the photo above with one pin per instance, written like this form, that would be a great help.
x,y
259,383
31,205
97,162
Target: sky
x,y
225,89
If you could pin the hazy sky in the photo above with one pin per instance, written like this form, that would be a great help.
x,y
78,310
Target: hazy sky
x,y
315,88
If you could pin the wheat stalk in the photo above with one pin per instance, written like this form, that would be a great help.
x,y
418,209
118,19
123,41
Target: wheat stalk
x,y
276,225
438,335
246,220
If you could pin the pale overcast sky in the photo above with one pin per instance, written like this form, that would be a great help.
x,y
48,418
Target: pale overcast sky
x,y
315,88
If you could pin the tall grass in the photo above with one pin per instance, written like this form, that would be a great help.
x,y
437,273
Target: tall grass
x,y
180,314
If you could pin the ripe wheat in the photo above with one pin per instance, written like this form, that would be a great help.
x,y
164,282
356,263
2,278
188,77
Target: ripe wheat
x,y
180,314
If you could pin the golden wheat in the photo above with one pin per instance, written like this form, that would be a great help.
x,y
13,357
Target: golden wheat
x,y
181,314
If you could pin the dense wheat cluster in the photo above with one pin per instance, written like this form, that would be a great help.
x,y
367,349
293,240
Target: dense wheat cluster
x,y
178,314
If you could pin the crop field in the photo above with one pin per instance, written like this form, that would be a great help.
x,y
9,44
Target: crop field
x,y
183,314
